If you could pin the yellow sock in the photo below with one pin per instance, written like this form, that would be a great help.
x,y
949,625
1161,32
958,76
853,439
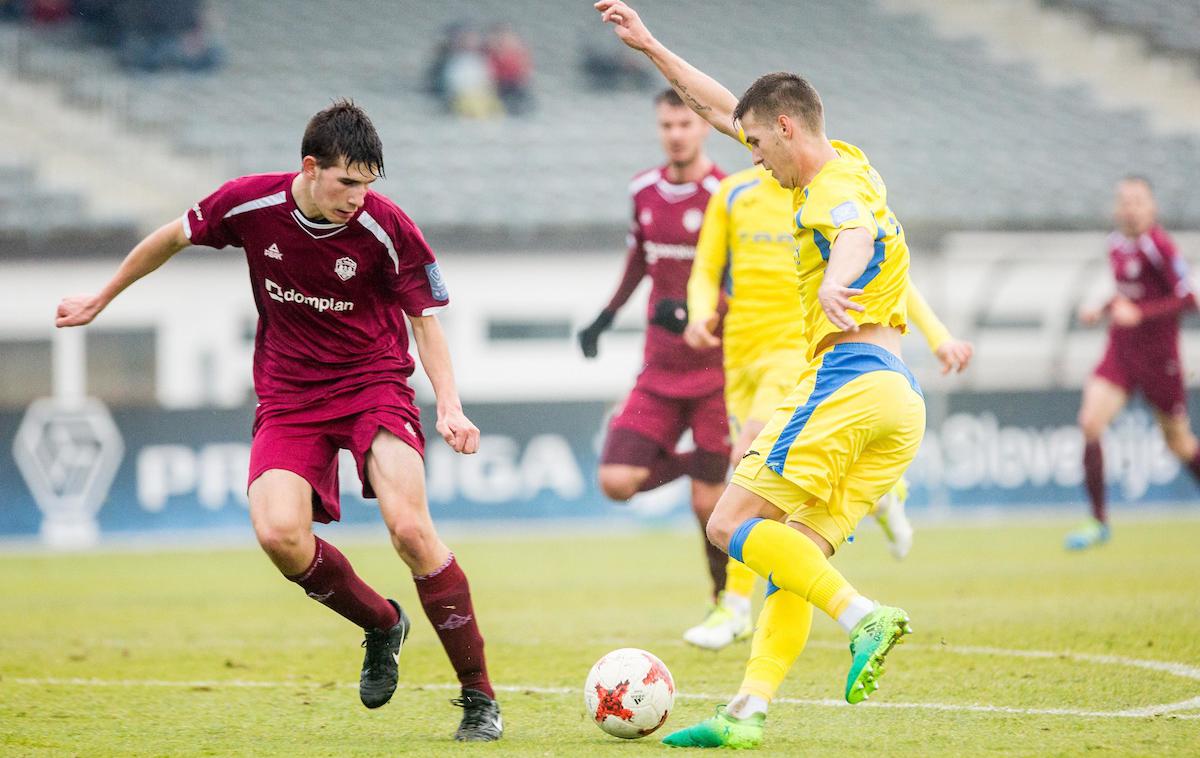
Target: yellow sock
x,y
793,562
779,637
739,579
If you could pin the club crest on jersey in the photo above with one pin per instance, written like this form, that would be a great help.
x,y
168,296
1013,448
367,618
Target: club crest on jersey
x,y
692,219
437,284
345,268
1133,267
645,217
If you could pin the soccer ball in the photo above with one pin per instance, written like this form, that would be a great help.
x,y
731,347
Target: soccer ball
x,y
629,693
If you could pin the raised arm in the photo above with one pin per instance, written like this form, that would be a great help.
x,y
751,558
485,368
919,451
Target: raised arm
x,y
152,252
703,94
454,426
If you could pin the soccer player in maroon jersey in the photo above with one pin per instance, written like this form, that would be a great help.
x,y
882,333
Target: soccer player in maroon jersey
x,y
334,269
1143,345
678,387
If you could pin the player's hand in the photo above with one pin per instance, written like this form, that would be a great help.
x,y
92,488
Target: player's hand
x,y
458,431
589,336
671,315
1090,316
699,335
626,23
77,310
835,301
954,355
1125,313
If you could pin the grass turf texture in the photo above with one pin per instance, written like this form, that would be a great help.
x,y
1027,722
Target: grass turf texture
x,y
199,622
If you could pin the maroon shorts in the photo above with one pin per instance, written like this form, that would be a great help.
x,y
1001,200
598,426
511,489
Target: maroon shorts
x,y
306,442
1158,377
663,420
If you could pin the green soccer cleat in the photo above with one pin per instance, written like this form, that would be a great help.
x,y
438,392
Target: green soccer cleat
x,y
721,730
1090,534
870,642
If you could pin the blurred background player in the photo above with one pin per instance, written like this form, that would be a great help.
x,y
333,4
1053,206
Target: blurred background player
x,y
1143,346
335,268
855,420
746,244
678,388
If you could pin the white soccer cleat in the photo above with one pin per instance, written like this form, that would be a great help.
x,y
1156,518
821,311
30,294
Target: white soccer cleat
x,y
889,512
721,627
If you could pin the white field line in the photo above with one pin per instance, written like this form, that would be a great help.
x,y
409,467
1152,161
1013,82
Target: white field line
x,y
565,691
1168,667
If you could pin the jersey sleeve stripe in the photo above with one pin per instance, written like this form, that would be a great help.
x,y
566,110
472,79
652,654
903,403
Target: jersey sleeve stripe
x,y
372,226
279,198
737,191
187,225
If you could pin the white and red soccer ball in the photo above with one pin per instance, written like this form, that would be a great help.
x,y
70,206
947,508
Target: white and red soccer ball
x,y
629,693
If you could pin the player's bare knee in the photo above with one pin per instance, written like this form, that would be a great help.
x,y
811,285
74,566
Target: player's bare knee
x,y
1092,428
412,536
718,530
617,485
281,540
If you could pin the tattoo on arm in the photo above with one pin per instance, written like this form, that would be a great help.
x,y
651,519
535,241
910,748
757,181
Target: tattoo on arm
x,y
692,102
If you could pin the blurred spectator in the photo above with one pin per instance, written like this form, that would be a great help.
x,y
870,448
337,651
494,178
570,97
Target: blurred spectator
x,y
609,64
165,34
48,11
467,86
511,67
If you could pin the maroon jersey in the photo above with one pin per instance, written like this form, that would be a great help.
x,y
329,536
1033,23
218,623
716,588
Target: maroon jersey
x,y
1151,274
662,242
330,297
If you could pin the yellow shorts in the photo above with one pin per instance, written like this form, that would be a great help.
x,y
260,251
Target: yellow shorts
x,y
756,390
844,437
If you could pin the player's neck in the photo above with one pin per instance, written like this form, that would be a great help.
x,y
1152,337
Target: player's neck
x,y
692,171
302,197
812,161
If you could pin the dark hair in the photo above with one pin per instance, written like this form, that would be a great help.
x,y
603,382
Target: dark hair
x,y
343,131
783,92
1139,178
669,97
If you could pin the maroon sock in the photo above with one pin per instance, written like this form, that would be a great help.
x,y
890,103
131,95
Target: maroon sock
x,y
666,468
717,561
331,581
446,598
1093,479
1194,466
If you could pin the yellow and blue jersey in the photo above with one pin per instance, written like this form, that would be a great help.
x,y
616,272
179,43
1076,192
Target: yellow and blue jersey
x,y
747,241
847,193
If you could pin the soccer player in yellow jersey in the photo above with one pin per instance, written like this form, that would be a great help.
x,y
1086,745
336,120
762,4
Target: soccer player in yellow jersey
x,y
853,423
746,243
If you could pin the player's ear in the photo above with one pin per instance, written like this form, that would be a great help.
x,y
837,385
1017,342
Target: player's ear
x,y
308,166
784,122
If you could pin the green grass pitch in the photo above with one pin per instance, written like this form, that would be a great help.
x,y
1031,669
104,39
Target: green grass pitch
x,y
1020,649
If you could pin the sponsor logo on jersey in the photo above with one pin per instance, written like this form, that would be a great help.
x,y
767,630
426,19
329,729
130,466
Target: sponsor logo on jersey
x,y
345,268
321,304
199,213
437,284
656,251
692,219
273,252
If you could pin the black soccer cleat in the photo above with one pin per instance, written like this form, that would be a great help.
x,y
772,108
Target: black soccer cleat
x,y
481,720
381,662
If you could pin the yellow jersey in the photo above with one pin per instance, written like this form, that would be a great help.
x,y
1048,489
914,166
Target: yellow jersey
x,y
747,241
847,193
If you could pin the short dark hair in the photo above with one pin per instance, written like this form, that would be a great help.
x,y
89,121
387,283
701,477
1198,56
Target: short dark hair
x,y
343,131
669,97
783,92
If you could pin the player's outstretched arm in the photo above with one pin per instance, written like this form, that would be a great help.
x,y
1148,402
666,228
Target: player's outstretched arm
x,y
452,423
954,354
152,252
703,94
